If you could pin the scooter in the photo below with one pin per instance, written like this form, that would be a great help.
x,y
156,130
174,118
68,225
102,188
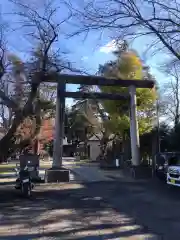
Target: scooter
x,y
23,181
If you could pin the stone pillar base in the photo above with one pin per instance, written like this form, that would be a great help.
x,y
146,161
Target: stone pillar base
x,y
141,172
55,175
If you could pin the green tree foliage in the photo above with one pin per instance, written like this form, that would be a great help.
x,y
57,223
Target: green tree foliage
x,y
175,138
77,126
169,138
128,65
163,134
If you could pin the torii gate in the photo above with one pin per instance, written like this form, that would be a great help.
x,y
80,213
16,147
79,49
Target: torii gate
x,y
100,81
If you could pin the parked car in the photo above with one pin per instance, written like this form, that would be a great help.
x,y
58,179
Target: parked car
x,y
173,171
163,161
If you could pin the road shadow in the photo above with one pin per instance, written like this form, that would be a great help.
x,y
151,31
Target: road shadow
x,y
104,210
69,211
7,183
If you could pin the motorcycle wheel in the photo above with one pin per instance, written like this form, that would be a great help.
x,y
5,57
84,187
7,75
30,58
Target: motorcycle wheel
x,y
26,190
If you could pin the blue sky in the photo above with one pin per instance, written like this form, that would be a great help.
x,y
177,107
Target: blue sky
x,y
86,54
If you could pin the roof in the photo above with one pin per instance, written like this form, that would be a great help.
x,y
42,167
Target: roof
x,y
98,137
95,137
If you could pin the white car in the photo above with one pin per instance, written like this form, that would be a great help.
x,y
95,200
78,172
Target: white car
x,y
173,175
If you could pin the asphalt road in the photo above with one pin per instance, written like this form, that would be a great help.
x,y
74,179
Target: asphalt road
x,y
90,211
69,211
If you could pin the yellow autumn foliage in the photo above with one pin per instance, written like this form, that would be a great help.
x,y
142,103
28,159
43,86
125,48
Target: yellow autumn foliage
x,y
129,66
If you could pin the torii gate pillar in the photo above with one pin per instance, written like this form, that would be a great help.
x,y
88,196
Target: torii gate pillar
x,y
134,130
59,126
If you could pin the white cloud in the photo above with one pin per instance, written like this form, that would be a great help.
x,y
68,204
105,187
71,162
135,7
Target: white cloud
x,y
109,47
85,58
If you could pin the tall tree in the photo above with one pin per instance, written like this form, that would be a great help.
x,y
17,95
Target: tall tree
x,y
5,90
78,127
44,64
170,93
128,65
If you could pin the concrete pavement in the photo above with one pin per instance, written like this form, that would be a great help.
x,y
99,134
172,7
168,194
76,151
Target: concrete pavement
x,y
90,174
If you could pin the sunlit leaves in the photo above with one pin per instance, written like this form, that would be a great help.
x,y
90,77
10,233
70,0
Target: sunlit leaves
x,y
128,65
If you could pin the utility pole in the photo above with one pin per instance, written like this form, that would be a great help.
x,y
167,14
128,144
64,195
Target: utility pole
x,y
158,126
158,139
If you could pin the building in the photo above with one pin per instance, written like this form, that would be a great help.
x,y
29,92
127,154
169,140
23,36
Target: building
x,y
94,147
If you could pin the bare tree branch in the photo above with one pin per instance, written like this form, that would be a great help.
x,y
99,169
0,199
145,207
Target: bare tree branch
x,y
129,17
171,98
